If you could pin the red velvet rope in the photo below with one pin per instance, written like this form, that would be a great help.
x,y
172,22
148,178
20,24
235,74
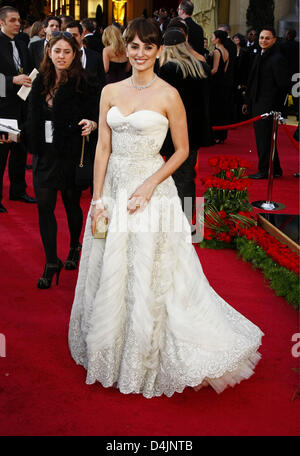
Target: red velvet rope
x,y
289,134
254,119
229,127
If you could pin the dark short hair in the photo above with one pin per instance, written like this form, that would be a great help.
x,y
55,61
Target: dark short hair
x,y
179,23
76,24
291,33
251,29
7,9
221,35
147,30
67,18
269,29
52,18
88,24
187,7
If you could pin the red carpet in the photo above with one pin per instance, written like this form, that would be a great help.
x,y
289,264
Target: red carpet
x,y
43,392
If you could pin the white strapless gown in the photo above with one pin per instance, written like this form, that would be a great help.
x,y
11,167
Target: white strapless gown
x,y
144,317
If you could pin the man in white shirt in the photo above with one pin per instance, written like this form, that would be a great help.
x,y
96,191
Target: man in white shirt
x,y
90,40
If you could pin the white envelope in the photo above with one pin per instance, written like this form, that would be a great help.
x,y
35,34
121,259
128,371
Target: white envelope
x,y
48,131
24,91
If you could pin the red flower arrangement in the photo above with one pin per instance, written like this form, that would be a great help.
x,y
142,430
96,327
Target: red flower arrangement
x,y
233,183
227,208
275,249
228,221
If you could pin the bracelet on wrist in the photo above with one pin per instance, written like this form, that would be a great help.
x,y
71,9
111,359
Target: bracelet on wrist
x,y
98,201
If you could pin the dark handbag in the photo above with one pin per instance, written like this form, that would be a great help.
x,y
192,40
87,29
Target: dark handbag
x,y
84,171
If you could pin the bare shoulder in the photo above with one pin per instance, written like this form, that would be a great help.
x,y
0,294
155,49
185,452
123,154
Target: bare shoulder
x,y
114,89
168,92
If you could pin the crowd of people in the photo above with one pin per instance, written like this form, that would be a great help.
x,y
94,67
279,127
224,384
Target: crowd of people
x,y
106,106
221,80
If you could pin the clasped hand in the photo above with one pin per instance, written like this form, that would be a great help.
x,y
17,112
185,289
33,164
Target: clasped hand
x,y
22,79
4,140
136,203
96,213
245,109
140,197
87,127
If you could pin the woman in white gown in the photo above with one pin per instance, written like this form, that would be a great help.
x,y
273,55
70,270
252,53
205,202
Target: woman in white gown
x,y
144,317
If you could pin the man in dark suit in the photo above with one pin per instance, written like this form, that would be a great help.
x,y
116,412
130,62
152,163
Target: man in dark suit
x,y
91,60
195,36
91,41
266,91
252,46
93,64
15,65
36,49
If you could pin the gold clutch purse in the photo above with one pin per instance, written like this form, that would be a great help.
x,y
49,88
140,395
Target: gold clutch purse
x,y
101,228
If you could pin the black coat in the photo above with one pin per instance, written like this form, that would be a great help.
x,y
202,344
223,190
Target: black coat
x,y
11,106
195,34
290,50
241,72
36,51
69,107
194,93
94,43
252,52
230,72
268,82
94,66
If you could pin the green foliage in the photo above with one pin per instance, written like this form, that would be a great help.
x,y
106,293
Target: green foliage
x,y
285,283
228,200
260,13
215,244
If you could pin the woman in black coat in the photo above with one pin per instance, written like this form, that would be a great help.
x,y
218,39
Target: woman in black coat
x,y
63,109
188,75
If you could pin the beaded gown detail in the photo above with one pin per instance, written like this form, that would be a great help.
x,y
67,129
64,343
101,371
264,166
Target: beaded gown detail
x,y
144,317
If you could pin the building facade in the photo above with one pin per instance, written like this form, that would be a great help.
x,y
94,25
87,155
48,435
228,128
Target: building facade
x,y
119,11
208,13
211,13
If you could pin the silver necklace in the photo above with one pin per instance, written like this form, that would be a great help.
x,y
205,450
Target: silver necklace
x,y
144,86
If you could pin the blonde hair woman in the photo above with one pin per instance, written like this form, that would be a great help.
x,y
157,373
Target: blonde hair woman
x,y
115,61
180,54
185,72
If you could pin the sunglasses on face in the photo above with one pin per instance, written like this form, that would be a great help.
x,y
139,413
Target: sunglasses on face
x,y
65,34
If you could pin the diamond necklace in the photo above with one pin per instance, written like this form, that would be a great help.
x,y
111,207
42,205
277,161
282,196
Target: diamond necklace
x,y
144,86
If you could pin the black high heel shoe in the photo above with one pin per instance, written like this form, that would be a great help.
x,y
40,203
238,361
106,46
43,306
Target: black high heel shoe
x,y
49,272
72,261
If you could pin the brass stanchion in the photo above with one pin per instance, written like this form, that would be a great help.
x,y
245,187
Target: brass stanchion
x,y
270,205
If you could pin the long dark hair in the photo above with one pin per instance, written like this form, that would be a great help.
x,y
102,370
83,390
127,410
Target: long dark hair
x,y
243,42
75,70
